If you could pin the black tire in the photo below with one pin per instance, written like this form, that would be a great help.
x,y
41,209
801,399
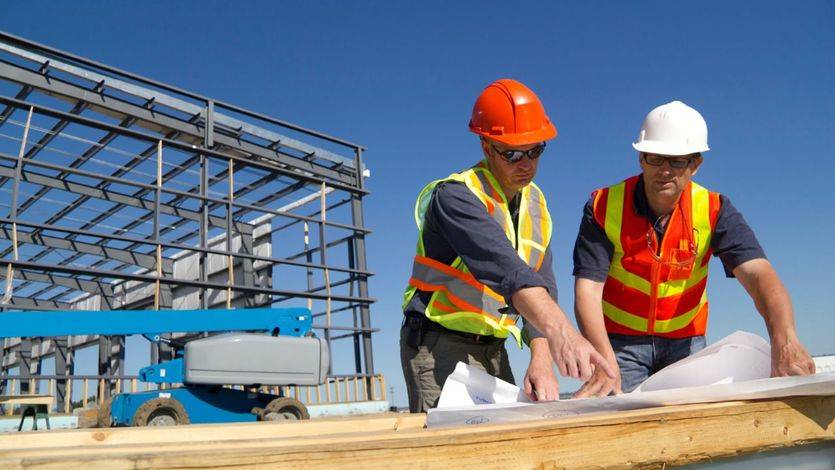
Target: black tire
x,y
161,412
104,418
285,408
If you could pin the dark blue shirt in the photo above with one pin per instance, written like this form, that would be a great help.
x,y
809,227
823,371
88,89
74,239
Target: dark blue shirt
x,y
457,224
733,241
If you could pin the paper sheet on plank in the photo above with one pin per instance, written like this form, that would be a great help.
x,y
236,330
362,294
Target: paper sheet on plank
x,y
734,368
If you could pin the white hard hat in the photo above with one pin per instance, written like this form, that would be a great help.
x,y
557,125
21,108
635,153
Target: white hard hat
x,y
673,129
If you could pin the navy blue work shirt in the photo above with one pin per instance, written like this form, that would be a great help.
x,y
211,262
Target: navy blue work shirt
x,y
457,225
733,241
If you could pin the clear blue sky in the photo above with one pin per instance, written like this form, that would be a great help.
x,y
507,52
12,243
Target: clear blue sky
x,y
401,77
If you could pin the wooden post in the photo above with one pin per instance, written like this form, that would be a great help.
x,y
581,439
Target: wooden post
x,y
365,395
156,226
319,394
86,393
373,388
323,212
230,260
133,385
12,391
306,248
119,385
356,389
307,394
7,296
347,391
68,397
382,387
100,394
328,390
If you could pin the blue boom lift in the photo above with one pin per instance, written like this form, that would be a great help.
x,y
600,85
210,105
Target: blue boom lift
x,y
276,348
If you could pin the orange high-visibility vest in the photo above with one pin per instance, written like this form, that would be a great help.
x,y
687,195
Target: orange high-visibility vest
x,y
650,291
459,301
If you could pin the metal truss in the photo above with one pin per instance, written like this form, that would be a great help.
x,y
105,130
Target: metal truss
x,y
120,192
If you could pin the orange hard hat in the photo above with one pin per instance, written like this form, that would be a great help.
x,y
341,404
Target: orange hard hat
x,y
509,112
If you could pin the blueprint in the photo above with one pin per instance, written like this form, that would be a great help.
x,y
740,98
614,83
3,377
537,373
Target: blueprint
x,y
734,368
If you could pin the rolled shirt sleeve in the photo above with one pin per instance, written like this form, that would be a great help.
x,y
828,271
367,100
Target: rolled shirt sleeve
x,y
733,240
529,331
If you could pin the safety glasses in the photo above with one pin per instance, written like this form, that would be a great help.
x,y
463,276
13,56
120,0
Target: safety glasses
x,y
675,162
513,156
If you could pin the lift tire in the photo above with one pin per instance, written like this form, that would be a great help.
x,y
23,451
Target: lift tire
x,y
285,408
104,418
160,412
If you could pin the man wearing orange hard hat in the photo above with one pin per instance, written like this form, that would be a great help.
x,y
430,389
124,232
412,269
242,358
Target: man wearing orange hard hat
x,y
483,259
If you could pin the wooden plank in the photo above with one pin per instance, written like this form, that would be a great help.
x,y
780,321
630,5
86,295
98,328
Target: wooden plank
x,y
654,437
210,432
26,400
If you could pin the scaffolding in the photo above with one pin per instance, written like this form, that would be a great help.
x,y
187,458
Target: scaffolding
x,y
120,192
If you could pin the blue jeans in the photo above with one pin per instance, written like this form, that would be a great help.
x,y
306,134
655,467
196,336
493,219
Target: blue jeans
x,y
641,356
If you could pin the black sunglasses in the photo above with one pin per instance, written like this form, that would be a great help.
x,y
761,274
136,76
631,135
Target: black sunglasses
x,y
513,156
675,162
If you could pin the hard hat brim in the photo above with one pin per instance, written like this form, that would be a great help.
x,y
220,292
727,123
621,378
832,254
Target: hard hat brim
x,y
546,133
668,148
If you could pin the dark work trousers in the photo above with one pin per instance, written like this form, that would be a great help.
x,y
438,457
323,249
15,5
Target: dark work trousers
x,y
427,366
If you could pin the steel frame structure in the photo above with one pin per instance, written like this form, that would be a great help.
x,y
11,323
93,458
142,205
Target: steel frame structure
x,y
120,192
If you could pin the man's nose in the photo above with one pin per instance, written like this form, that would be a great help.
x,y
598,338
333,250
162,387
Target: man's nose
x,y
525,163
666,166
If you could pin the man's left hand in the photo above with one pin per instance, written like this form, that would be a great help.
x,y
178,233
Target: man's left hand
x,y
789,357
540,382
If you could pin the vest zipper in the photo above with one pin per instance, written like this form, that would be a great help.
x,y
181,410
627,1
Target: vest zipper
x,y
653,300
653,288
656,268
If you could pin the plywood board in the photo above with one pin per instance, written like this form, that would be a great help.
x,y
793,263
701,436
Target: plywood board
x,y
669,435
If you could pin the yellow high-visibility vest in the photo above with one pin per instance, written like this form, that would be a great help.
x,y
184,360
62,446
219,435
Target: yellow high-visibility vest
x,y
459,301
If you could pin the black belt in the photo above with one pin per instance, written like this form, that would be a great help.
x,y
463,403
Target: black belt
x,y
423,324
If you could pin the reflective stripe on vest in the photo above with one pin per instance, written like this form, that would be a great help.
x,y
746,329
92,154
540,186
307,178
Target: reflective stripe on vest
x,y
459,301
663,294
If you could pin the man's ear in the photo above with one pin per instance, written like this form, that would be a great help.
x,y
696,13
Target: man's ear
x,y
697,164
485,149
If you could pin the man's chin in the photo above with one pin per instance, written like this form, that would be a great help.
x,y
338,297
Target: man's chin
x,y
522,182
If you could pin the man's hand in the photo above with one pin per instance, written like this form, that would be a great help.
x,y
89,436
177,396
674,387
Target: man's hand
x,y
540,382
789,357
600,384
574,355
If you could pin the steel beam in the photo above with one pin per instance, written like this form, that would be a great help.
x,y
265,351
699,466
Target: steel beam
x,y
185,282
133,258
156,121
107,195
73,282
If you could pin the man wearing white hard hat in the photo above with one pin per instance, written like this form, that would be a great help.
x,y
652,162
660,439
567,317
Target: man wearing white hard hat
x,y
641,261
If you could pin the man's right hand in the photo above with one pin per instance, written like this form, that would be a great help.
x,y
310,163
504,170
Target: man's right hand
x,y
600,384
575,356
